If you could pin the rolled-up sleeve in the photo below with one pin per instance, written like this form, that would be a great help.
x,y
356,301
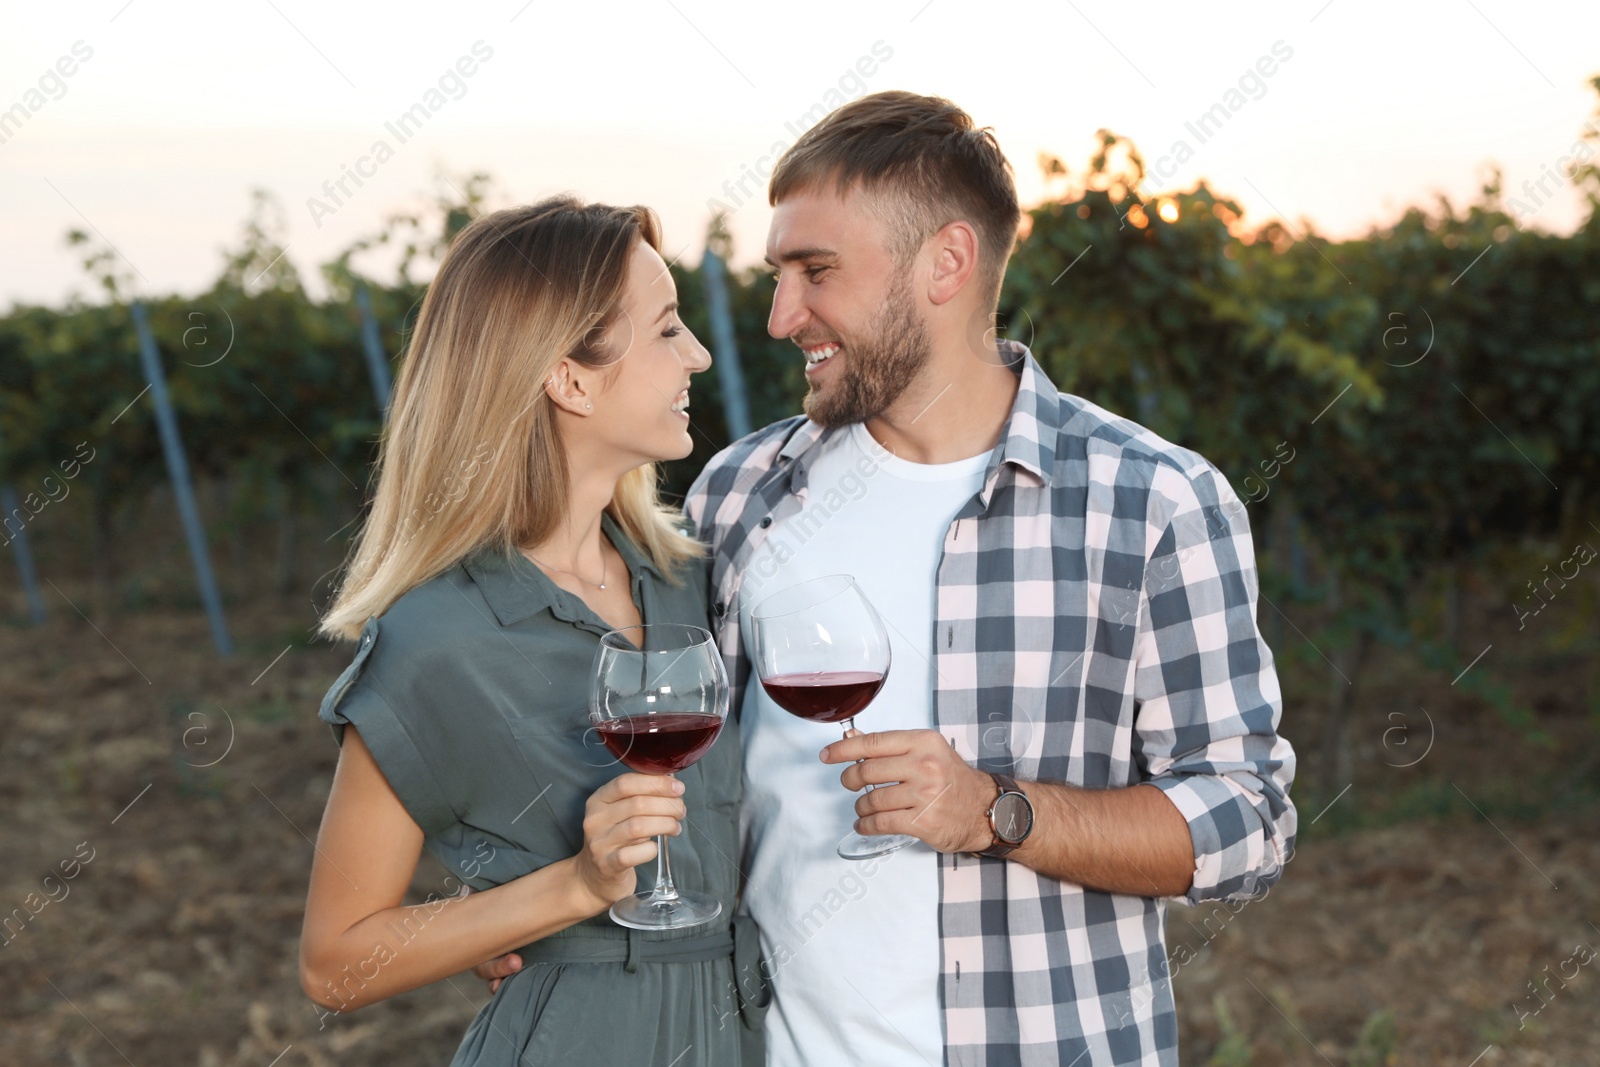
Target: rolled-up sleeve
x,y
1207,701
355,700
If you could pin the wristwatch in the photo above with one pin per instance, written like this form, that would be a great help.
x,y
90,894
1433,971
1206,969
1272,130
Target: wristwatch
x,y
1010,816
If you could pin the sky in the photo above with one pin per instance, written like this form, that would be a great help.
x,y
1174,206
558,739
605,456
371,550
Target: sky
x,y
149,122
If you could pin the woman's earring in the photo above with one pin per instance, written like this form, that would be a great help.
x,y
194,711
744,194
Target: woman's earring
x,y
589,407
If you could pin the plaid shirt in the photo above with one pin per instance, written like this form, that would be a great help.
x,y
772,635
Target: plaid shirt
x,y
1094,625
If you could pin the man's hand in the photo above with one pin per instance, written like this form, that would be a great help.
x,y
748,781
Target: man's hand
x,y
498,969
936,797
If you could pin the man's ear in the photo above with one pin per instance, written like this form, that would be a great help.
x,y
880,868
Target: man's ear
x,y
569,388
953,256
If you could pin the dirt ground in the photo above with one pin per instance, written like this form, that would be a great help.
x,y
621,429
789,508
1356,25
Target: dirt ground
x,y
181,791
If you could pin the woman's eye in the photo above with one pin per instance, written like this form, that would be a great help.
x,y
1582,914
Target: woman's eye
x,y
672,332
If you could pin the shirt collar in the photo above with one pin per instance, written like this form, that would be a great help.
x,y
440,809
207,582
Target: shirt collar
x,y
516,588
1029,438
1032,429
807,434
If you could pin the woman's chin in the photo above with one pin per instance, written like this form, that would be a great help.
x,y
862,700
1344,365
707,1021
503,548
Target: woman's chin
x,y
685,446
672,446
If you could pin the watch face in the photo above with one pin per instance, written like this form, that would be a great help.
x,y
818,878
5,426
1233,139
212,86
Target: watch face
x,y
1013,818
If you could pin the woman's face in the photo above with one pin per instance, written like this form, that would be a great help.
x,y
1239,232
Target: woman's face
x,y
641,401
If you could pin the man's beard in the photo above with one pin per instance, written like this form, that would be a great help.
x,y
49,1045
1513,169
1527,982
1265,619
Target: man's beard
x,y
894,350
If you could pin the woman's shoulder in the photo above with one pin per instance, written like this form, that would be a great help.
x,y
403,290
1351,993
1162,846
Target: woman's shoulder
x,y
448,602
427,636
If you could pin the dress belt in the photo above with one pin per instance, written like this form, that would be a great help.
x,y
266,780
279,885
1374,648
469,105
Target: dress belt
x,y
600,944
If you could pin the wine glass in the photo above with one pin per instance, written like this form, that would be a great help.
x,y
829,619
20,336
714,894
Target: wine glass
x,y
659,699
822,653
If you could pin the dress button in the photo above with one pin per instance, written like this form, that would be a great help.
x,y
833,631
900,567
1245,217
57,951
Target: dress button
x,y
721,608
766,522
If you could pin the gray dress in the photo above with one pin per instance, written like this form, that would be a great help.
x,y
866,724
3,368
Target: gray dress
x,y
472,692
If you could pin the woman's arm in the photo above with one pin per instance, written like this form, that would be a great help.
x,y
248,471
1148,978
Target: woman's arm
x,y
360,945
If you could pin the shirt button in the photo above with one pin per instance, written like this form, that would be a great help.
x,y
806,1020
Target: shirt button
x,y
766,522
721,608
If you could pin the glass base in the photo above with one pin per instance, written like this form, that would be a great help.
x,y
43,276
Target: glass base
x,y
854,846
644,911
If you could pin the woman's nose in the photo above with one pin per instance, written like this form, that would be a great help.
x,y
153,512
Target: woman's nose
x,y
699,357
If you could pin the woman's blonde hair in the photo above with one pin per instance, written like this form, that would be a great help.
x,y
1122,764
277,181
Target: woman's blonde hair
x,y
471,456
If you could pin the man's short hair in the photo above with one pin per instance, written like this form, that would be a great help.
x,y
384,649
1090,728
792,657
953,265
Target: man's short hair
x,y
925,165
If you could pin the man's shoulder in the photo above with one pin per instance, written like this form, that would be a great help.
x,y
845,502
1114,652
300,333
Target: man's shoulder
x,y
1134,452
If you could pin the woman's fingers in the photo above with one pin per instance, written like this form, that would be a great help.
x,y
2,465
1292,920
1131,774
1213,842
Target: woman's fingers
x,y
621,821
634,785
633,855
636,814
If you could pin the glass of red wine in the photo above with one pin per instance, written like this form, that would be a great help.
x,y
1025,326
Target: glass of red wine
x,y
659,699
822,653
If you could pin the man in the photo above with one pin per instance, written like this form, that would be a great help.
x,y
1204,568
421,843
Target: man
x,y
1071,605
1081,717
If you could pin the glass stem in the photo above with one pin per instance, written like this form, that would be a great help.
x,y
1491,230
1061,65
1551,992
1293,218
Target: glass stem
x,y
665,889
850,724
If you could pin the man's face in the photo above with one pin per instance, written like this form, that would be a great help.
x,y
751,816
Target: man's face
x,y
845,301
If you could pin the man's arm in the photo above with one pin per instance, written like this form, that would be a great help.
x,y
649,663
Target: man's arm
x,y
1129,840
1205,728
1208,695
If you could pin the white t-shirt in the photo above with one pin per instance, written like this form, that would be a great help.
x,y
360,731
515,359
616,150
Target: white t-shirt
x,y
852,945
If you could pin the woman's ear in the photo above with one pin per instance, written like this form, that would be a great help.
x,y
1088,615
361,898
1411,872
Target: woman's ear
x,y
567,388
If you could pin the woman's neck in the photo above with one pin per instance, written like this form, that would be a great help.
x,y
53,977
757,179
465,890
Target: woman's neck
x,y
576,544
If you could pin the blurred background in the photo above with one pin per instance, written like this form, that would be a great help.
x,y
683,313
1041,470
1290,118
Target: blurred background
x,y
1348,252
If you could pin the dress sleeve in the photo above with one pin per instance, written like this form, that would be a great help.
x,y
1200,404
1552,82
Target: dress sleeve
x,y
356,699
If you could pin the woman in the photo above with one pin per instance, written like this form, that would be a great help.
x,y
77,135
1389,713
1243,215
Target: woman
x,y
515,522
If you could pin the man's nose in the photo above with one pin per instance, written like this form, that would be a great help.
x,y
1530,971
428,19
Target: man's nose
x,y
788,310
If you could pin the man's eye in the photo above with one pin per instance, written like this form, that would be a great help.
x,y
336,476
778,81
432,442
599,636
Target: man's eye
x,y
812,272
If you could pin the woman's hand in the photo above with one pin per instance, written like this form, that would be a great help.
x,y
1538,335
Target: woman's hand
x,y
620,822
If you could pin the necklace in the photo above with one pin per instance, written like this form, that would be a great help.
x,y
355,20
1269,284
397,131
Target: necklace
x,y
605,568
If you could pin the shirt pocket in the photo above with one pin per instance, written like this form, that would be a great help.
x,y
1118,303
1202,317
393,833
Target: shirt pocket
x,y
720,772
565,762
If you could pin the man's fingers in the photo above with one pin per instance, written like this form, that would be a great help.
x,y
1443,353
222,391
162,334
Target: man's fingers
x,y
886,798
499,967
879,770
872,746
888,822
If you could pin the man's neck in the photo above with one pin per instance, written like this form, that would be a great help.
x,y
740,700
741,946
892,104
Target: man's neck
x,y
958,408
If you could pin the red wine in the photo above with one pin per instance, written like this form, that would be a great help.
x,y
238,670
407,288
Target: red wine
x,y
660,744
824,696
